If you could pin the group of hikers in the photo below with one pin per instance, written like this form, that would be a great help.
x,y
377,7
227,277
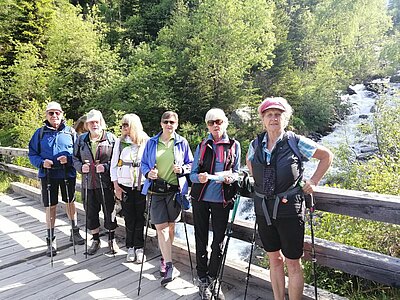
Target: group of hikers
x,y
136,172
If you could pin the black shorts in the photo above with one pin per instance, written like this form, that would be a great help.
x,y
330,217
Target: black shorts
x,y
55,184
285,234
164,208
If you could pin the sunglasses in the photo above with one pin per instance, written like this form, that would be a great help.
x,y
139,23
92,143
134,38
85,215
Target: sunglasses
x,y
168,122
124,125
212,122
51,113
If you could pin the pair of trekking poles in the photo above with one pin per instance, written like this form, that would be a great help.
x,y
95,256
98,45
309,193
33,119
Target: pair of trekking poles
x,y
146,231
103,198
50,233
311,207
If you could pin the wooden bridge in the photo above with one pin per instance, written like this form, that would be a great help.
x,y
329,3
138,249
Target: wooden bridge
x,y
25,271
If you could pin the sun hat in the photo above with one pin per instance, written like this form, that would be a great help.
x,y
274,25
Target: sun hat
x,y
53,106
94,115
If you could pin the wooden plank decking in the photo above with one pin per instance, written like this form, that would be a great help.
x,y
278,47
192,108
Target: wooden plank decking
x,y
26,273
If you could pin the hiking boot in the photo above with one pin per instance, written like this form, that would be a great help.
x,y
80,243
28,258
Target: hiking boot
x,y
214,286
170,273
51,247
78,239
162,267
140,257
94,247
112,247
204,288
131,255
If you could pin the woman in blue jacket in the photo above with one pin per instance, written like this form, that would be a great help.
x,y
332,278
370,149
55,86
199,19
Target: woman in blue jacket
x,y
50,150
166,160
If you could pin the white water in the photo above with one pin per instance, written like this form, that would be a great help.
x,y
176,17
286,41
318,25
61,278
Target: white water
x,y
344,132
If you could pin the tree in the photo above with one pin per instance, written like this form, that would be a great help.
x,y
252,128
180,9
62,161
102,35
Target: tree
x,y
216,45
81,64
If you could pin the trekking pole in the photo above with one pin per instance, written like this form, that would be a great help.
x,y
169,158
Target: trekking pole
x,y
313,255
187,242
253,242
49,202
186,234
145,235
105,209
66,183
229,231
87,209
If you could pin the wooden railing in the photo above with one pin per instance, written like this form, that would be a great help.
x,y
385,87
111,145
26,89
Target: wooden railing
x,y
371,206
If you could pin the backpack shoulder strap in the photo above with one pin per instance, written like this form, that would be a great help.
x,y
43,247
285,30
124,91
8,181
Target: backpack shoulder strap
x,y
258,140
293,140
202,152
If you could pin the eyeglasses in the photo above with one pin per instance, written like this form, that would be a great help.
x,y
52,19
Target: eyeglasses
x,y
124,125
57,113
212,122
168,122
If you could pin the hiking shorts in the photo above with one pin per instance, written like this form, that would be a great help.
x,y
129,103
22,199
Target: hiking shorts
x,y
55,185
285,234
164,208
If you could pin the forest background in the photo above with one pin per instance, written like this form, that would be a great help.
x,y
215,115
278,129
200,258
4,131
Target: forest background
x,y
148,56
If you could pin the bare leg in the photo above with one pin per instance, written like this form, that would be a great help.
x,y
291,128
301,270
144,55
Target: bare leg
x,y
171,232
277,274
296,278
71,211
51,216
164,241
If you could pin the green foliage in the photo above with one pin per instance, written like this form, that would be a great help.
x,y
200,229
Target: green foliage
x,y
18,131
81,68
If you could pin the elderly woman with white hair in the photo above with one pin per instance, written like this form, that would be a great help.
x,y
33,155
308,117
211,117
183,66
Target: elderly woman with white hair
x,y
92,157
275,159
215,168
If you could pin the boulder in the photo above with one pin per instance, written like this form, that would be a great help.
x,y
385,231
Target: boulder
x,y
376,87
241,116
350,91
395,78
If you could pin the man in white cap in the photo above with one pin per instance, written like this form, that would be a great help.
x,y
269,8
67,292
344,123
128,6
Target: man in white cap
x,y
50,150
92,158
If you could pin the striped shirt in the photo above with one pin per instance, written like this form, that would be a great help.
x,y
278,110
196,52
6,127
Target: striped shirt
x,y
307,147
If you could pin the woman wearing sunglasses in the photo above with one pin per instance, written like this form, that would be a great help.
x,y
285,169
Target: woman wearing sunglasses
x,y
128,180
215,169
166,159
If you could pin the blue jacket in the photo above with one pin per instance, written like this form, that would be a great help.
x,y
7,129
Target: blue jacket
x,y
53,144
183,157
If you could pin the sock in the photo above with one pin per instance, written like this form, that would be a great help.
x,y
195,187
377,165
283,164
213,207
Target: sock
x,y
96,236
73,223
50,232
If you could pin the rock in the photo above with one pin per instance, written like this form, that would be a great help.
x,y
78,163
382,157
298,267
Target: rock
x,y
241,116
350,91
376,87
395,78
363,116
